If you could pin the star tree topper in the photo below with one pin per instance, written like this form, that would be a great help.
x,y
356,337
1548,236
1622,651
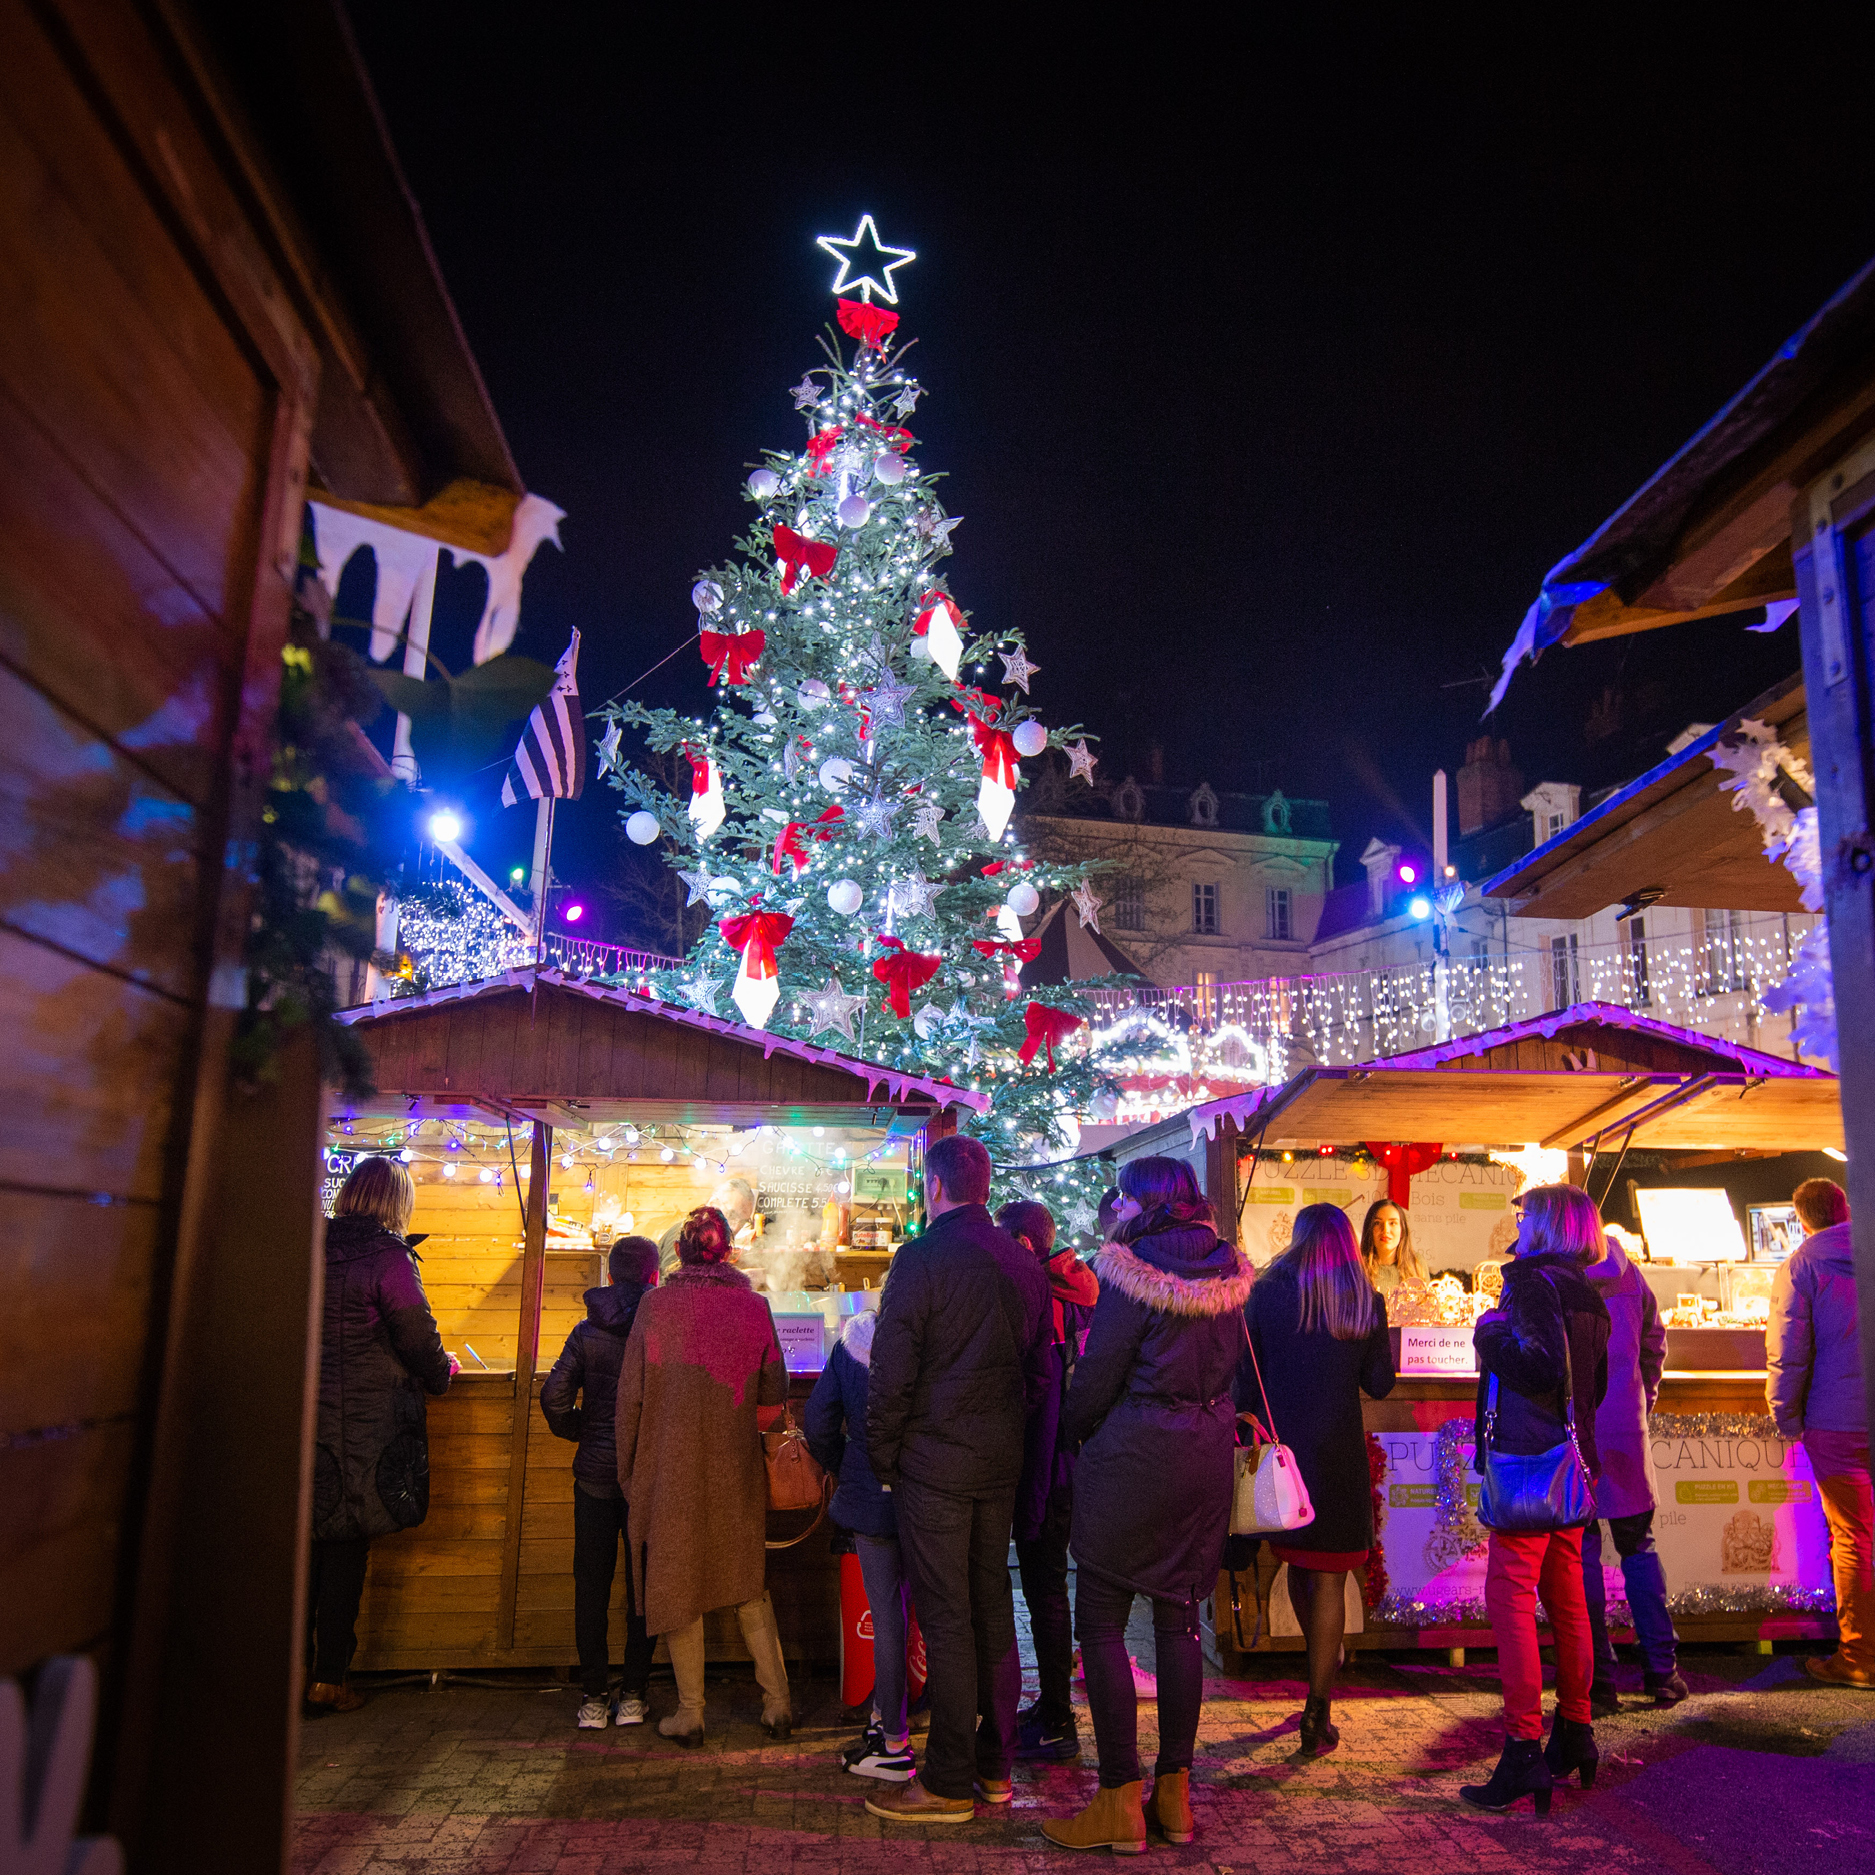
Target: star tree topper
x,y
866,263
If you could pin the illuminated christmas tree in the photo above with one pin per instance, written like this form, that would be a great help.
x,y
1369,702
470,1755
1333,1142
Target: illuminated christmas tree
x,y
848,821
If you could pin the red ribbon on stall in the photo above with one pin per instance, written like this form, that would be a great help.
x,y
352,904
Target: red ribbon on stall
x,y
799,555
1046,1027
788,841
755,934
1402,1162
903,971
860,319
733,651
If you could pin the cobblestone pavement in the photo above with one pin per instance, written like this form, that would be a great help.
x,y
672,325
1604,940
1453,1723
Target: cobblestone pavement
x,y
1760,1773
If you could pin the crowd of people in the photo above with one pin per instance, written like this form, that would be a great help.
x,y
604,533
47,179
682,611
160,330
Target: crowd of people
x,y
1007,1391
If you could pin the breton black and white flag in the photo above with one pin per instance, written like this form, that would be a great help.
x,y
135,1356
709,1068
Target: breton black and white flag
x,y
550,762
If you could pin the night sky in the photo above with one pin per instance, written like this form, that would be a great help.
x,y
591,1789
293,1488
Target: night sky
x,y
1269,381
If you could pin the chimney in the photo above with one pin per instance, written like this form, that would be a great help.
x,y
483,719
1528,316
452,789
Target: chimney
x,y
1489,789
1155,765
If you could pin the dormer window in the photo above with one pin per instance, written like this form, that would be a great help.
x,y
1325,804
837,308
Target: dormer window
x,y
1276,814
1204,806
1129,800
1552,807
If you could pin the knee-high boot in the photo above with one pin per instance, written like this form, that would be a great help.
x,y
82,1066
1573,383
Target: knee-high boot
x,y
686,1723
763,1640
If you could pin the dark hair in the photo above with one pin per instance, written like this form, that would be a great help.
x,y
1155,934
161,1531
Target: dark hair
x,y
704,1237
1033,1223
1821,1202
1407,1262
961,1165
1167,1194
1331,1285
632,1260
1109,1204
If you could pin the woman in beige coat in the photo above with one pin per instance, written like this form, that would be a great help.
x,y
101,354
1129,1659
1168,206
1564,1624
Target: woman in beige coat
x,y
701,1360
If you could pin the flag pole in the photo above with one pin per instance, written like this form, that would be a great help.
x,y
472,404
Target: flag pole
x,y
543,868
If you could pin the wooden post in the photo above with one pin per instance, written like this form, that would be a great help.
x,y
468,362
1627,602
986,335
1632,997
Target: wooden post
x,y
1220,1177
526,1352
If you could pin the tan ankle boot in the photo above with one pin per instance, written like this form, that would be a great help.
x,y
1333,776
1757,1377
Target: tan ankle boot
x,y
763,1640
1113,1821
686,1647
1169,1807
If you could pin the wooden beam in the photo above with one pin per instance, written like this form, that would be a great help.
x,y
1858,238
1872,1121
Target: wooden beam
x,y
526,1356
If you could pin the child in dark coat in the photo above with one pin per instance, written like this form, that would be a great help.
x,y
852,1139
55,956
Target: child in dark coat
x,y
587,1373
836,1435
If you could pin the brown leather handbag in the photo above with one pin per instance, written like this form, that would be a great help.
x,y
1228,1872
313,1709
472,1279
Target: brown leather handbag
x,y
795,1478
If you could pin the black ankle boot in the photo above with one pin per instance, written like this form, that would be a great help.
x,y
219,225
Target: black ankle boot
x,y
1317,1734
1571,1747
1520,1772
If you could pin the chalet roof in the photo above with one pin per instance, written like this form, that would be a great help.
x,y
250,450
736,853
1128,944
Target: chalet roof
x,y
540,1043
1673,831
1073,952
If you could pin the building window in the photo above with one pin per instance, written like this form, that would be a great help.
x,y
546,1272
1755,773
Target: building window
x,y
1565,972
1204,999
1204,909
1554,823
1640,995
1279,926
1721,952
1129,903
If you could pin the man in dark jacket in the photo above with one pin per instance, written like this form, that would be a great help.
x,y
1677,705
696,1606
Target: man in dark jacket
x,y
1816,1395
1045,1498
587,1373
960,1359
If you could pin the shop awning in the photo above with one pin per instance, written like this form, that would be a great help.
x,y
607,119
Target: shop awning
x,y
1673,835
1709,532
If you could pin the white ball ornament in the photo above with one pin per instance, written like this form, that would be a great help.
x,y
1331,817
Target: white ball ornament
x,y
1029,737
1023,900
835,773
845,897
763,484
921,650
853,511
890,470
641,828
707,596
813,695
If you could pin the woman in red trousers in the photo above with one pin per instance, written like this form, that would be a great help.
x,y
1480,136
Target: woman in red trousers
x,y
1548,1304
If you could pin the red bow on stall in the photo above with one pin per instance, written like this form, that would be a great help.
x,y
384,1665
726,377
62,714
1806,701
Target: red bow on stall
x,y
799,555
755,934
733,651
862,320
788,841
903,971
1045,1028
819,447
1402,1161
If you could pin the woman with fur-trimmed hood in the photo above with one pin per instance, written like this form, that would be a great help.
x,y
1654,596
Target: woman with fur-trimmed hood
x,y
1150,1407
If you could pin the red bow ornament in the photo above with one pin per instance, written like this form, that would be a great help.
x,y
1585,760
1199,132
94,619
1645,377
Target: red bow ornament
x,y
903,971
788,841
756,934
1015,954
1046,1027
819,447
996,792
860,319
732,652
1402,1163
800,556
896,439
940,624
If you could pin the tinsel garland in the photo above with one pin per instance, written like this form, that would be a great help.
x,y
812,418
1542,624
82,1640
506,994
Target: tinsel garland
x,y
1376,1589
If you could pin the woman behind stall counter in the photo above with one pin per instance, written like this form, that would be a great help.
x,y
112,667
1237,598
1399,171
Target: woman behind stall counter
x,y
1387,1252
379,1354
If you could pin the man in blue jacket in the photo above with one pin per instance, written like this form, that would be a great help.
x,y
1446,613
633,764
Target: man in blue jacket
x,y
577,1399
1814,1382
961,1356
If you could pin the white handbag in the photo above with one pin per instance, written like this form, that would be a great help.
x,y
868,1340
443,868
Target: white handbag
x,y
1267,1492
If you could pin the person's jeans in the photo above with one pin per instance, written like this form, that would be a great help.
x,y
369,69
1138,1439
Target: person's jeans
x,y
882,1569
1101,1609
1043,1559
1840,1461
334,1589
598,1524
956,1551
1646,1583
1520,1565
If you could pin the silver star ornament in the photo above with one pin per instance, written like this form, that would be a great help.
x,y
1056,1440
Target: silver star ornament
x,y
608,746
832,1008
699,884
924,821
1088,906
701,992
874,818
1017,669
907,399
806,394
1081,760
886,700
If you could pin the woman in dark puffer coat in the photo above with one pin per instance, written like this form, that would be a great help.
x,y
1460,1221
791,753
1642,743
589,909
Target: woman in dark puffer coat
x,y
379,1354
1551,1320
1150,1407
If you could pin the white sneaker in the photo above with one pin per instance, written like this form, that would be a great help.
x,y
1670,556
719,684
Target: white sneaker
x,y
594,1712
630,1712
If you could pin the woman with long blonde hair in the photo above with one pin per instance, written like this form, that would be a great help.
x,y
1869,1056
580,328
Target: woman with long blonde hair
x,y
1318,1340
